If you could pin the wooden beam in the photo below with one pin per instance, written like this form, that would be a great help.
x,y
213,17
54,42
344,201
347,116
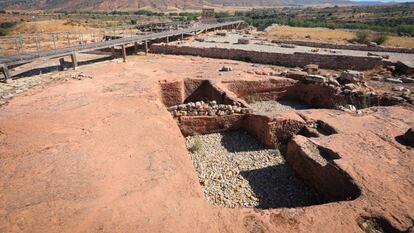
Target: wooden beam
x,y
146,47
74,60
123,53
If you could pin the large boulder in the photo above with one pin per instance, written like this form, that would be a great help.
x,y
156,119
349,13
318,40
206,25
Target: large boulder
x,y
351,76
226,68
316,78
297,75
311,68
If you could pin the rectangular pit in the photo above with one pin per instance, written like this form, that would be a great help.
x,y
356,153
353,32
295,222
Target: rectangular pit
x,y
235,170
236,154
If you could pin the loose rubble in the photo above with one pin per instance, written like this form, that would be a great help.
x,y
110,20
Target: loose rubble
x,y
243,41
235,170
200,108
80,76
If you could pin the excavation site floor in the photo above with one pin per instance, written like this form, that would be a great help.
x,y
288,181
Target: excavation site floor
x,y
104,154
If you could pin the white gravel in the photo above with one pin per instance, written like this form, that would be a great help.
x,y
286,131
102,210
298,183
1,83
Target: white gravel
x,y
236,171
277,106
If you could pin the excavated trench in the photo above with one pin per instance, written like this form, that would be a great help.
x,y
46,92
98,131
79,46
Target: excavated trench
x,y
260,160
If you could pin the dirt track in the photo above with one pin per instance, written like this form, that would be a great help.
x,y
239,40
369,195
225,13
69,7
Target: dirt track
x,y
104,155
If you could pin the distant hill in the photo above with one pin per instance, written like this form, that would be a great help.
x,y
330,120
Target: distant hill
x,y
369,3
275,2
136,4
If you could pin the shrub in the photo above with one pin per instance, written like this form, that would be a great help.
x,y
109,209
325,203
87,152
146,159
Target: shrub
x,y
361,37
379,38
3,32
8,24
196,146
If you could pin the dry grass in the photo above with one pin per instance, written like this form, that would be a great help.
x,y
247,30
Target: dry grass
x,y
328,35
48,26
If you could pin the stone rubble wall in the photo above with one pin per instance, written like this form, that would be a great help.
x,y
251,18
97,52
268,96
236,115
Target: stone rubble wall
x,y
346,46
268,89
275,129
192,125
325,61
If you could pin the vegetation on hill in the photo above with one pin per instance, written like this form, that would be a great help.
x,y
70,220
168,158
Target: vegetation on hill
x,y
398,19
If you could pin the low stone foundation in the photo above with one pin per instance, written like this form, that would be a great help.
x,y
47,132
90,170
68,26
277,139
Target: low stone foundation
x,y
346,46
325,61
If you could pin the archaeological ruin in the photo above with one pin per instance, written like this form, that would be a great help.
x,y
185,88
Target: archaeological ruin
x,y
220,131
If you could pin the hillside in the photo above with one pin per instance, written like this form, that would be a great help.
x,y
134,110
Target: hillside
x,y
135,4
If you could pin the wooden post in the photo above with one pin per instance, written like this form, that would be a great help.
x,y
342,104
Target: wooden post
x,y
21,43
136,47
113,51
37,44
74,60
168,40
123,53
146,47
68,38
54,41
81,39
182,36
17,47
5,72
61,63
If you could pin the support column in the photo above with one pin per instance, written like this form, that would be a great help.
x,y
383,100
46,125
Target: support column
x,y
123,53
5,72
61,63
113,51
182,36
146,47
74,60
136,47
168,40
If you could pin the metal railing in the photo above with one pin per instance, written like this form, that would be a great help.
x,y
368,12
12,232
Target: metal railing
x,y
55,51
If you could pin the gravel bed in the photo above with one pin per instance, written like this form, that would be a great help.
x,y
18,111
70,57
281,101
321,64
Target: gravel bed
x,y
235,170
277,106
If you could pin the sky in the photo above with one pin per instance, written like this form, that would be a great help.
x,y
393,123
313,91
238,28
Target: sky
x,y
383,0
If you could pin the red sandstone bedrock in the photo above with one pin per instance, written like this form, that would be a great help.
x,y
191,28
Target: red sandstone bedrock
x,y
86,160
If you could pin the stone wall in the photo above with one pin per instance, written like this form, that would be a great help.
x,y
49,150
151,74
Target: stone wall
x,y
346,46
268,89
281,59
